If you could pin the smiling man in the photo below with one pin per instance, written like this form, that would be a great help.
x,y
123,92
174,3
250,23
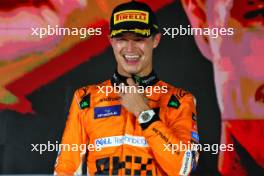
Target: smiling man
x,y
133,133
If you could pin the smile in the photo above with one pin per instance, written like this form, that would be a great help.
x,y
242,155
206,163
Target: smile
x,y
131,59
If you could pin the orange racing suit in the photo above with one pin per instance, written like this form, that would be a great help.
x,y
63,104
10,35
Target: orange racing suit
x,y
127,147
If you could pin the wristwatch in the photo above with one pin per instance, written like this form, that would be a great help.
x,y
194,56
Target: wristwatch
x,y
146,116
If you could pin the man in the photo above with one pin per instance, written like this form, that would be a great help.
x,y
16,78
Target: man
x,y
239,77
138,133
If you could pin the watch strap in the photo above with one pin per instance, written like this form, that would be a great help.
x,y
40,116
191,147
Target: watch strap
x,y
147,124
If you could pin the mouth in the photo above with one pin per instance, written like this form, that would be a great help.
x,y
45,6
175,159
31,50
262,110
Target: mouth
x,y
249,13
259,95
131,59
256,15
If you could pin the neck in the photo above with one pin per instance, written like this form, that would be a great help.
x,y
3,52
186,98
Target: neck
x,y
144,73
144,81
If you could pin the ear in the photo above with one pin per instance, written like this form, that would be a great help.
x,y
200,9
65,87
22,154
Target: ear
x,y
110,39
156,39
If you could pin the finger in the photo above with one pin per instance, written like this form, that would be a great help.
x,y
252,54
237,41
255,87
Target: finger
x,y
121,90
145,99
121,95
130,82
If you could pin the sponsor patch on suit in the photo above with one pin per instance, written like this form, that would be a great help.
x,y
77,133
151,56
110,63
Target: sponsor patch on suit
x,y
195,136
107,111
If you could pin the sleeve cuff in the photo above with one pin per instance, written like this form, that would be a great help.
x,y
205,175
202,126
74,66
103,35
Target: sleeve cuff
x,y
146,125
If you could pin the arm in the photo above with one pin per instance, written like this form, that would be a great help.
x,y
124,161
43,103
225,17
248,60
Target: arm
x,y
178,127
70,162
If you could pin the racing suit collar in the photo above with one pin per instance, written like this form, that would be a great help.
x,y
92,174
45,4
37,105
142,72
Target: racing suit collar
x,y
144,81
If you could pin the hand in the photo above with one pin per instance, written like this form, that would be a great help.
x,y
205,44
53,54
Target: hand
x,y
133,101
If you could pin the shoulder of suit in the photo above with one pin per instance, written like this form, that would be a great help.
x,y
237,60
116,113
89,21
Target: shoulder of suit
x,y
90,89
83,94
176,91
177,95
180,93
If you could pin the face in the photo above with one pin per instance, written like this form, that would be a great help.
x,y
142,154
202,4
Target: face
x,y
134,54
238,59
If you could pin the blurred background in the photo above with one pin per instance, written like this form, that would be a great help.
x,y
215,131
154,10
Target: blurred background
x,y
38,75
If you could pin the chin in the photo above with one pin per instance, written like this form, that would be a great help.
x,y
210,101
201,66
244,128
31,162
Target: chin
x,y
132,70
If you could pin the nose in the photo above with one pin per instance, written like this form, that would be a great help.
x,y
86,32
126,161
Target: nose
x,y
130,45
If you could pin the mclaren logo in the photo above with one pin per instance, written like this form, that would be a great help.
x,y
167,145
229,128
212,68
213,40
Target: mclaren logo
x,y
131,15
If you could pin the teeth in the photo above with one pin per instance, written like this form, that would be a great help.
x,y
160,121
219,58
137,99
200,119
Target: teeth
x,y
131,57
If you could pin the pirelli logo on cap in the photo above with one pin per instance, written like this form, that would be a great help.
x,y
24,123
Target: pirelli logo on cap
x,y
131,15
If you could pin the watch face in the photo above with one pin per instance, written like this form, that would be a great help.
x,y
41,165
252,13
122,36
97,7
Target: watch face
x,y
145,116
